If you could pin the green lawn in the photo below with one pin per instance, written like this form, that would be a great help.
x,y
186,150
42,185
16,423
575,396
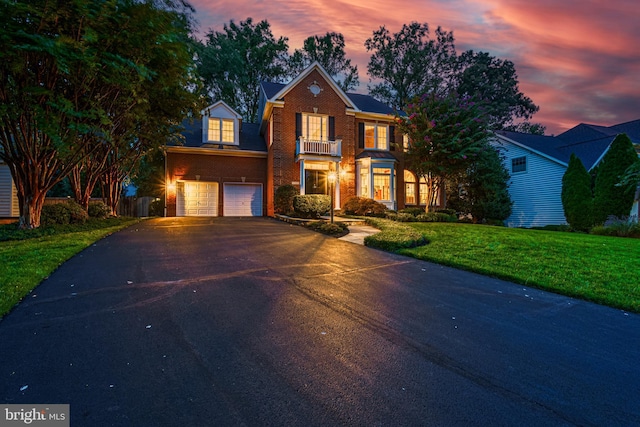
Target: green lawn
x,y
28,261
602,269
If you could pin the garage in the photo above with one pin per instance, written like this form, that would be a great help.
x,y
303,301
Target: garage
x,y
240,199
196,198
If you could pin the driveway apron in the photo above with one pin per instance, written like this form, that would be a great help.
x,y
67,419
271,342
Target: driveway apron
x,y
252,321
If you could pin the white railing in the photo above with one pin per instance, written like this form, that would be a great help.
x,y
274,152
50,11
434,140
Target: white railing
x,y
323,148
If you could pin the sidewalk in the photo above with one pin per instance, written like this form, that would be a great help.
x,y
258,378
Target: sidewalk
x,y
357,233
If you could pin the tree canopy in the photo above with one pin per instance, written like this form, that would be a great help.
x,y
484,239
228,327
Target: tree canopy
x,y
234,61
445,134
410,63
82,77
328,51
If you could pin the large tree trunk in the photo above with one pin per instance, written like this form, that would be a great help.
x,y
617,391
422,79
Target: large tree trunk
x,y
30,210
111,190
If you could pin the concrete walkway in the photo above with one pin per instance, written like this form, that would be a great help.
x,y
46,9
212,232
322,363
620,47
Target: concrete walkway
x,y
357,233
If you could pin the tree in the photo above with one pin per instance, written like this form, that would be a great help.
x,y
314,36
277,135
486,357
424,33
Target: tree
x,y
409,63
610,198
527,127
328,51
482,190
494,83
445,134
577,197
233,62
71,72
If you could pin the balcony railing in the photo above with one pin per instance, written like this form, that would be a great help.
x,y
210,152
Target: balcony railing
x,y
322,148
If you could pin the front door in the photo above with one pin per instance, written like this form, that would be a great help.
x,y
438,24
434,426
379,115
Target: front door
x,y
315,182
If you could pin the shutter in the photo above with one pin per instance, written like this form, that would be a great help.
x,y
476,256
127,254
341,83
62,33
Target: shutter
x,y
392,138
298,125
332,128
360,135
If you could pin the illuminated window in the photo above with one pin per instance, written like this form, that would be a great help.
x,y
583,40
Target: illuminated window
x,y
376,136
221,130
381,184
314,127
409,188
405,142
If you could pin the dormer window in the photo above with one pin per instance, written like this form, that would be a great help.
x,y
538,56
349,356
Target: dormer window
x,y
220,125
221,130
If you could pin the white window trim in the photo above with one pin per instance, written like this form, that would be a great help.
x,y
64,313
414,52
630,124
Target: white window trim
x,y
375,136
526,164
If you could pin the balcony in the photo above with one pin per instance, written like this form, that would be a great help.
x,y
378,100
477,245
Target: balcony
x,y
318,148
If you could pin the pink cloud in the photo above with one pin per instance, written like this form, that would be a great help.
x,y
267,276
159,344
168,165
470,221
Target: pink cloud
x,y
575,58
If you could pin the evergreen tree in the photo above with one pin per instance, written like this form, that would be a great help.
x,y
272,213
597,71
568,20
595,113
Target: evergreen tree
x,y
577,198
610,197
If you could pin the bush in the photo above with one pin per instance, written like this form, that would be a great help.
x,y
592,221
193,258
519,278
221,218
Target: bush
x,y
337,229
63,213
98,210
393,236
436,217
156,208
363,206
412,211
405,217
283,200
577,198
609,197
621,227
311,205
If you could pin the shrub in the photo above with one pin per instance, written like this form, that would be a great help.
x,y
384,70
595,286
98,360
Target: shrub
x,y
283,199
610,198
363,206
63,213
156,208
337,229
412,211
621,227
436,217
405,217
577,198
393,236
311,205
98,210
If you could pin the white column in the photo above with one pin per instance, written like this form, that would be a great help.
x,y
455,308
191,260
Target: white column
x,y
302,189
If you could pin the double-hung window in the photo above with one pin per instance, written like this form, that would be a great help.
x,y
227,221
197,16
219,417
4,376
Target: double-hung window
x,y
376,136
519,164
221,130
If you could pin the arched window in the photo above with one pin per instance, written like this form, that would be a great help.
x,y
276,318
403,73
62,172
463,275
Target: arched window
x,y
409,188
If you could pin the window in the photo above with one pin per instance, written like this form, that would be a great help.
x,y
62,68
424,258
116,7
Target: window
x,y
314,127
405,142
519,164
381,184
221,130
409,188
376,136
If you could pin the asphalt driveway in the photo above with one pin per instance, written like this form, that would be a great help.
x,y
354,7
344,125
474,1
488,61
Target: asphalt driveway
x,y
238,321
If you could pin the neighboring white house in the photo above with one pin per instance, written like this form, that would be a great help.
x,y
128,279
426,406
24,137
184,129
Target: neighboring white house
x,y
537,163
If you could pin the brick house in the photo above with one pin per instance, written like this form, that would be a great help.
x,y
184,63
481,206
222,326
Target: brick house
x,y
309,132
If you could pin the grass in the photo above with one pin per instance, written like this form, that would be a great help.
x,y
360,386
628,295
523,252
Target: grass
x,y
601,269
30,256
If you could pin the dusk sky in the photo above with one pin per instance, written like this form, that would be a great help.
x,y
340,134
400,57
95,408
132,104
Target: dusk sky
x,y
579,60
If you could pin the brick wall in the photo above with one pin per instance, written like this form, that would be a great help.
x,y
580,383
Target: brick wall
x,y
214,168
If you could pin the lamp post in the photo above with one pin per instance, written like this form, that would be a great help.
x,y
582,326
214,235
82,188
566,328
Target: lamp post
x,y
332,181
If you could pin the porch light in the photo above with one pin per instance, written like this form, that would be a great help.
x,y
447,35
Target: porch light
x,y
332,180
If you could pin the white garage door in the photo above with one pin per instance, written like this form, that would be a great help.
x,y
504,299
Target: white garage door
x,y
195,198
242,199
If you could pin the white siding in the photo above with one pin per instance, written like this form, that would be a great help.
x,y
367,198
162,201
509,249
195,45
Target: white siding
x,y
8,194
536,192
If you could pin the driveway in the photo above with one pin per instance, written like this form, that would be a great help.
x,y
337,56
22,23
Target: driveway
x,y
238,321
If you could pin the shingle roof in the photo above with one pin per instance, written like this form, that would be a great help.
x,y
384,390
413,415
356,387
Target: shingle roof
x,y
375,155
588,142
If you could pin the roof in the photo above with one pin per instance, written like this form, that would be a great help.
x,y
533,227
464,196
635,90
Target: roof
x,y
374,154
250,139
365,103
588,142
